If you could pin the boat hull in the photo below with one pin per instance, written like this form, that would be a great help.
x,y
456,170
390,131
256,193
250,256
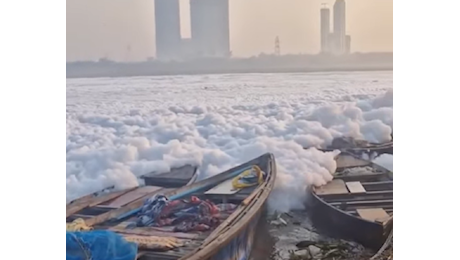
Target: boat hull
x,y
240,247
335,213
339,224
237,240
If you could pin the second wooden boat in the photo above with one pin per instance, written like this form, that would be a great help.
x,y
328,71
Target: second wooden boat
x,y
360,147
357,204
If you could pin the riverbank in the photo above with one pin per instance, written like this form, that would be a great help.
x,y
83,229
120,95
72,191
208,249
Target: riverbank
x,y
261,64
115,73
292,236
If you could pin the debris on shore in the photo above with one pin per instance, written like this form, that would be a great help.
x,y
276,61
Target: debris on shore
x,y
297,239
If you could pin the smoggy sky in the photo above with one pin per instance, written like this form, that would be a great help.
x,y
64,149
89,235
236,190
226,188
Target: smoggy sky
x,y
124,30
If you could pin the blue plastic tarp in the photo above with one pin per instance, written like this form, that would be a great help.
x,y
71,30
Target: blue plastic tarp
x,y
98,245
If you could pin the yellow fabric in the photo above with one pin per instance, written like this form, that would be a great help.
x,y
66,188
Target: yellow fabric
x,y
78,225
237,185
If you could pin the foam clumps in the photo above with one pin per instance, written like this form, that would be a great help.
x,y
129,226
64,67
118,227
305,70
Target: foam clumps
x,y
110,143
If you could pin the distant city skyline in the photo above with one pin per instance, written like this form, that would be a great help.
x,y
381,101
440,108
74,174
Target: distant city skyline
x,y
125,31
336,41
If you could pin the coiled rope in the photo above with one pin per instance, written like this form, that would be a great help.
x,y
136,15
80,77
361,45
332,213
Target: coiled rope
x,y
78,225
240,183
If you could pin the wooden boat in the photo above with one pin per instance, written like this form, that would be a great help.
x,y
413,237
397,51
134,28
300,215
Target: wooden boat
x,y
99,203
91,195
360,147
357,204
231,238
176,178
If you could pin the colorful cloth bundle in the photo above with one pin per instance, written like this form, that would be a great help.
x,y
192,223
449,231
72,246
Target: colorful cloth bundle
x,y
184,215
151,210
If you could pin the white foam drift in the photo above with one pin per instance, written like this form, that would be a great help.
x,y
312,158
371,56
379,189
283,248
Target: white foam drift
x,y
112,139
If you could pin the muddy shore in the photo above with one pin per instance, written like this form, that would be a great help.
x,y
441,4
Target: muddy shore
x,y
292,236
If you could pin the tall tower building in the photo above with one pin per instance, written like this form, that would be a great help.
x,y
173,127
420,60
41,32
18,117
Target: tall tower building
x,y
167,29
210,27
339,26
325,29
347,44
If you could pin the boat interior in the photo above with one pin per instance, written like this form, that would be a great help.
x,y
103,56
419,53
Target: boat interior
x,y
360,188
100,203
104,204
172,240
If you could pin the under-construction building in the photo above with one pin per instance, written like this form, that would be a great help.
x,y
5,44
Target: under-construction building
x,y
339,27
167,29
210,27
337,41
325,29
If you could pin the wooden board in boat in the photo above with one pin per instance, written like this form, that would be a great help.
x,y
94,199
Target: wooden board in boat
x,y
355,187
74,208
373,214
132,196
333,187
224,188
88,197
167,231
344,161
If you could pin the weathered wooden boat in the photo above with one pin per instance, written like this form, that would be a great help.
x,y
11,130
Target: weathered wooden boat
x,y
357,204
91,195
176,178
359,147
102,202
239,193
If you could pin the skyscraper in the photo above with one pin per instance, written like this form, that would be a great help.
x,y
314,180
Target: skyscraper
x,y
347,44
210,27
167,29
339,26
325,29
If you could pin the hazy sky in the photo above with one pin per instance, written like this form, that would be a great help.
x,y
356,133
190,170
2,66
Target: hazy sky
x,y
98,28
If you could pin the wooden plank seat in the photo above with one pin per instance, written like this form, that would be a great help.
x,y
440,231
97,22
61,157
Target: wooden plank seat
x,y
373,214
224,188
336,186
363,204
368,196
132,196
355,187
377,185
355,213
371,177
